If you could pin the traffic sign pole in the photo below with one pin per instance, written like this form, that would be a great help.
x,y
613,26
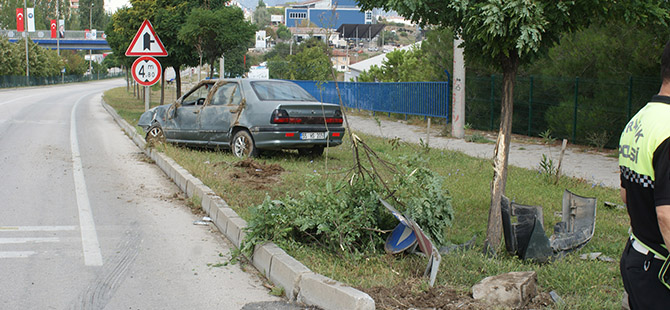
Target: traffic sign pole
x,y
147,95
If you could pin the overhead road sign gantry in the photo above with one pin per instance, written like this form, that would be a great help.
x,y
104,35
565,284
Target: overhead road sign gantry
x,y
146,42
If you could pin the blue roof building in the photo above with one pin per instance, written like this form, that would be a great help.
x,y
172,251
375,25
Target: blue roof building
x,y
326,14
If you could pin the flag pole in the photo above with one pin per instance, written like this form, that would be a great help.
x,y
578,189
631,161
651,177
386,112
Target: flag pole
x,y
57,28
25,21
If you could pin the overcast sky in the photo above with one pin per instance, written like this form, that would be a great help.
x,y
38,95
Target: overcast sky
x,y
113,5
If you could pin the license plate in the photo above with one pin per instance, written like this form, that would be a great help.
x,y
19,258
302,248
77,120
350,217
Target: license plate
x,y
312,135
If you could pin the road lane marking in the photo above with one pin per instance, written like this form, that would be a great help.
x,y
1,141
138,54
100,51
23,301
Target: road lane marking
x,y
17,254
16,99
37,228
89,237
32,122
26,240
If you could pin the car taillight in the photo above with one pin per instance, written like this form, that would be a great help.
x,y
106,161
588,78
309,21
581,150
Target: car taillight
x,y
280,116
337,119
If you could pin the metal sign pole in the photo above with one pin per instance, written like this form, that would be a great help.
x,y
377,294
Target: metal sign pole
x,y
147,94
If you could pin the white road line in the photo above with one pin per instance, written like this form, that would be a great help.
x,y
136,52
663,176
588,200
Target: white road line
x,y
26,240
17,254
89,237
16,99
37,228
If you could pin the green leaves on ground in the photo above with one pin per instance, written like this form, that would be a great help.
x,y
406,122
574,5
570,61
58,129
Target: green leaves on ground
x,y
346,217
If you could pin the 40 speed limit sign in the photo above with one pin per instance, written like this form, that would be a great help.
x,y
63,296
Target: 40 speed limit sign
x,y
146,70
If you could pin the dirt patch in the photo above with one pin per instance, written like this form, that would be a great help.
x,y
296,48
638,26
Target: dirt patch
x,y
414,294
258,175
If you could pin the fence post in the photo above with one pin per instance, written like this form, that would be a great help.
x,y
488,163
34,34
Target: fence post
x,y
492,101
574,121
530,107
630,98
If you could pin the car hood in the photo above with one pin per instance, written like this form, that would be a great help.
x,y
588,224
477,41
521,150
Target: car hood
x,y
148,117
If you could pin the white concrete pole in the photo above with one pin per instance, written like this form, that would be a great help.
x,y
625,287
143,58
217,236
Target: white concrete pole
x,y
458,102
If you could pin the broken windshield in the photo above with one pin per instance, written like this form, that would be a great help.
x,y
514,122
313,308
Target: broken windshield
x,y
279,91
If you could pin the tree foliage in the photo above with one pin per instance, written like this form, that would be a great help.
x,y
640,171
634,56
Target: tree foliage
x,y
216,32
311,61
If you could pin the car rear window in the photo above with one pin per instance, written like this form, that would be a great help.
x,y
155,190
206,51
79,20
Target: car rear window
x,y
281,91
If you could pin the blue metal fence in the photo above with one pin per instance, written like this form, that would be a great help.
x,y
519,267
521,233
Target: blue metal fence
x,y
412,98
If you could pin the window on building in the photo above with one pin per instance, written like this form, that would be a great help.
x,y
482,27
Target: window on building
x,y
368,15
297,15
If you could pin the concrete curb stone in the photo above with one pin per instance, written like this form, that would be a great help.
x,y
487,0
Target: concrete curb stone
x,y
332,294
287,272
234,230
298,281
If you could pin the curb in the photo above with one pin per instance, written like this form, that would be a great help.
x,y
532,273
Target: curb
x,y
299,282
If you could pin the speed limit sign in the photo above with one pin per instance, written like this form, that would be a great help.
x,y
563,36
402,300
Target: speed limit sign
x,y
146,70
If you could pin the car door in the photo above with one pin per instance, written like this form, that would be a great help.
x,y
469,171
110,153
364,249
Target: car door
x,y
183,123
220,112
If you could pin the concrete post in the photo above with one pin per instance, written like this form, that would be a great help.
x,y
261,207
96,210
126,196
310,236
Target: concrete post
x,y
458,112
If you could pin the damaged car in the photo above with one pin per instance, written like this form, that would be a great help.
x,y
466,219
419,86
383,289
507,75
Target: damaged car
x,y
247,116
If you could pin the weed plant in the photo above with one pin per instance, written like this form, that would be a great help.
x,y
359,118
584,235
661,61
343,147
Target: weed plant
x,y
582,284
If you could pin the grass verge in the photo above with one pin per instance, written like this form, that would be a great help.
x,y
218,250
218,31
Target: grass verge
x,y
582,284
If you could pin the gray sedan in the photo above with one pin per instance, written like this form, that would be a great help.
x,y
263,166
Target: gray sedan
x,y
247,116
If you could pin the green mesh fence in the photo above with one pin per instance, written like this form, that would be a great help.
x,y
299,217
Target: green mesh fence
x,y
8,81
584,111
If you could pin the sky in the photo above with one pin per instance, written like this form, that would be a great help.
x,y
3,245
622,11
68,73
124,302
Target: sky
x,y
113,5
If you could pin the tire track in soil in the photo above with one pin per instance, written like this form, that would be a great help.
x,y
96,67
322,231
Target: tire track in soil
x,y
100,292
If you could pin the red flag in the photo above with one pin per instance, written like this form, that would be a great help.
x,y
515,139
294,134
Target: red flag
x,y
54,29
20,23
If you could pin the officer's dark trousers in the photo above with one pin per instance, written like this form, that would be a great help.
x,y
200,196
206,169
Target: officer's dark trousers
x,y
644,289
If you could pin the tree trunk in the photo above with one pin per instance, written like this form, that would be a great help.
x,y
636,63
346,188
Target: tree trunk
x,y
501,152
127,80
163,86
177,79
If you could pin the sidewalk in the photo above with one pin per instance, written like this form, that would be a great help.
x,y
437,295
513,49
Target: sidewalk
x,y
596,169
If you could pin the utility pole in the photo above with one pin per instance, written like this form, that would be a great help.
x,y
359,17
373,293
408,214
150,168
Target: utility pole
x,y
458,108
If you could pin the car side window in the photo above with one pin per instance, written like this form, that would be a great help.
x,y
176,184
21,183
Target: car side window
x,y
227,94
198,96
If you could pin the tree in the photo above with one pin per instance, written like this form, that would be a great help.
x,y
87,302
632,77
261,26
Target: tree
x,y
283,33
507,34
92,14
261,15
215,32
10,58
310,64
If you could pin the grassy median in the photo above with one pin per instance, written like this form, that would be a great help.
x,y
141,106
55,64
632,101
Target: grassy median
x,y
582,284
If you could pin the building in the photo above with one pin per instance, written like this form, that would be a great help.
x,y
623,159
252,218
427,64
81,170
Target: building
x,y
340,60
329,14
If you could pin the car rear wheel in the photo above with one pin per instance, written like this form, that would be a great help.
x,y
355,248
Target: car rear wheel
x,y
155,135
313,151
243,145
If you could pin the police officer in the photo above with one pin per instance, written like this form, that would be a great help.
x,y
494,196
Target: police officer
x,y
644,163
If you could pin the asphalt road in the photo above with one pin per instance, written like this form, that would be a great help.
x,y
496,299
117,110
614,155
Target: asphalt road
x,y
86,222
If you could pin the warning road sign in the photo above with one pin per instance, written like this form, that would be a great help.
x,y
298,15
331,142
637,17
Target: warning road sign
x,y
146,42
146,70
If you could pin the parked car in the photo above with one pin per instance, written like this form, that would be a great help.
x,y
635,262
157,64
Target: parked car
x,y
247,116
